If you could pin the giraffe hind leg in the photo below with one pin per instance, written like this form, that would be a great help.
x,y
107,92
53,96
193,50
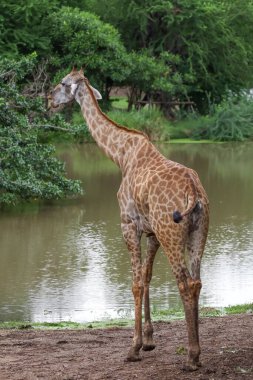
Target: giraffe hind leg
x,y
189,289
152,247
197,239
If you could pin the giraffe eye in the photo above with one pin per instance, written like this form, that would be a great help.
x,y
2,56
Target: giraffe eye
x,y
63,84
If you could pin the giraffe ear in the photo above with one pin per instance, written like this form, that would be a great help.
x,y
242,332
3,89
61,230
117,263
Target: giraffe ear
x,y
96,93
81,71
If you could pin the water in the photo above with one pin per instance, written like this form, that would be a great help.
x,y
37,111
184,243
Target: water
x,y
67,260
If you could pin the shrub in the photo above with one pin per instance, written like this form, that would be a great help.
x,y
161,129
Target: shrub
x,y
231,121
148,120
28,169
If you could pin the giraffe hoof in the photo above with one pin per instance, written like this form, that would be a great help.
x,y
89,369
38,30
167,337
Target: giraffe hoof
x,y
133,354
133,358
191,367
148,347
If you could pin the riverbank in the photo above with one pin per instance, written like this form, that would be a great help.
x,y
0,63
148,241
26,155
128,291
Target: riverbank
x,y
99,354
157,316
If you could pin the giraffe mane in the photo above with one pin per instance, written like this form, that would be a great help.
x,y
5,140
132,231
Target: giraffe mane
x,y
133,131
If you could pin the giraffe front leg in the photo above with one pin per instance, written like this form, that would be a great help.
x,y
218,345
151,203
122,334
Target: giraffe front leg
x,y
152,247
132,239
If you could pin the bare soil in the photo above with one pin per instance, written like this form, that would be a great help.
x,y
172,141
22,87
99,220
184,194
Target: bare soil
x,y
227,352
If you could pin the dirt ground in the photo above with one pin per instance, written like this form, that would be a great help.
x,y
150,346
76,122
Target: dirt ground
x,y
227,352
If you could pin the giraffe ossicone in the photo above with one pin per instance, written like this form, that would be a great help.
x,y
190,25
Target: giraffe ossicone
x,y
157,197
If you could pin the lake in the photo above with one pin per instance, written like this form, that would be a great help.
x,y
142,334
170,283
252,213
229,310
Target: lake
x,y
66,260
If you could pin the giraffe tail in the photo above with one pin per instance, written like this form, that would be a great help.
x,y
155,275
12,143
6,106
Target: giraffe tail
x,y
178,216
193,205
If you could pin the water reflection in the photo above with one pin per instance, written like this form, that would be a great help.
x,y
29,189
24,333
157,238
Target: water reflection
x,y
67,260
227,268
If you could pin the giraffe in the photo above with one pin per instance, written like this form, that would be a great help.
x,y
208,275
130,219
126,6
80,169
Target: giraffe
x,y
157,197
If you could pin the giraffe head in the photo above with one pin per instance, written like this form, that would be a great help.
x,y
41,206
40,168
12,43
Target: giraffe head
x,y
66,90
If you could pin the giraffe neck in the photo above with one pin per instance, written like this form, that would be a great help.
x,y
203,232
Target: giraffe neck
x,y
117,142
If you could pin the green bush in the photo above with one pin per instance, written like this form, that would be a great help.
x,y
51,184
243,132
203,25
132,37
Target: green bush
x,y
57,130
148,120
230,121
28,169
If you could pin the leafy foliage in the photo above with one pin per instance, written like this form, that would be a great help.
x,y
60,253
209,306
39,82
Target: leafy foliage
x,y
81,38
28,169
231,121
24,26
148,120
168,50
212,39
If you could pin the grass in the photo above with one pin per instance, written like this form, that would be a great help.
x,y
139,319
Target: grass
x,y
119,103
148,120
68,325
157,315
239,309
156,126
190,141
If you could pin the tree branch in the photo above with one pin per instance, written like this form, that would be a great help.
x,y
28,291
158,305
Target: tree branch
x,y
49,126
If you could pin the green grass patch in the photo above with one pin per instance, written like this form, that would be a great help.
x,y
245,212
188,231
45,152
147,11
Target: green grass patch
x,y
167,315
191,141
120,103
210,312
157,315
18,325
239,309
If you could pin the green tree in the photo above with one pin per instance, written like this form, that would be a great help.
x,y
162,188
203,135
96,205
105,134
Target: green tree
x,y
24,26
28,169
155,77
81,38
66,36
212,39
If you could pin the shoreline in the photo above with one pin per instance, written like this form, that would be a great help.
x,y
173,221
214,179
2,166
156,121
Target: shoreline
x,y
157,316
